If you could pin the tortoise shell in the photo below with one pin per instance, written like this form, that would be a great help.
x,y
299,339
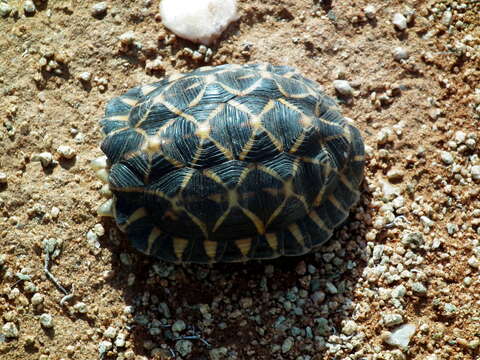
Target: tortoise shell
x,y
230,163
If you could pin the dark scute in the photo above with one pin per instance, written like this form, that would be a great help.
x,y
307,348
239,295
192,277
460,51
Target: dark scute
x,y
229,172
282,122
281,163
195,252
171,183
291,87
127,174
216,93
339,149
317,234
206,155
183,91
231,128
309,180
310,146
254,194
230,252
160,166
163,248
291,212
332,115
236,225
292,245
261,249
125,205
234,80
262,149
119,144
111,125
181,141
345,196
117,107
137,113
158,114
138,233
330,214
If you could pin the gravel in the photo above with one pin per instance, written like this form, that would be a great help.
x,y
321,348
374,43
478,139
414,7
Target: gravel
x,y
370,12
5,10
399,21
46,320
29,7
343,87
99,9
401,336
400,53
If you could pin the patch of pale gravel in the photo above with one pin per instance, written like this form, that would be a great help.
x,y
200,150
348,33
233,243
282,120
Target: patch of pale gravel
x,y
399,281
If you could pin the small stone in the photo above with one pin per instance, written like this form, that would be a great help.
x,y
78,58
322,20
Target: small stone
x,y
395,175
3,178
331,288
449,310
447,158
399,21
287,345
5,10
37,299
349,327
419,288
29,7
179,326
473,262
426,221
370,12
184,347
110,333
400,53
45,158
474,172
127,38
413,239
10,330
104,346
401,336
66,152
46,320
218,353
120,340
80,307
390,320
85,76
99,9
343,87
447,18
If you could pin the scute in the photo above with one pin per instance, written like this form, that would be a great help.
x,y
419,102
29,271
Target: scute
x,y
230,163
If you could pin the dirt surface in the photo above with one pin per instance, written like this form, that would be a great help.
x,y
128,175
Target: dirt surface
x,y
409,255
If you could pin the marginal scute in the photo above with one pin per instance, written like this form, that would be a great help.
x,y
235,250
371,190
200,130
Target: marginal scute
x,y
229,163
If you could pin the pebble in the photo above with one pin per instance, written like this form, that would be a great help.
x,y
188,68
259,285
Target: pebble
x,y
104,346
85,76
401,336
110,333
80,307
3,178
419,288
66,152
343,87
370,12
37,299
120,340
446,157
45,158
349,327
218,353
447,18
29,7
474,172
46,320
473,262
127,38
10,330
399,21
5,10
184,347
395,175
99,9
179,326
390,319
287,345
400,53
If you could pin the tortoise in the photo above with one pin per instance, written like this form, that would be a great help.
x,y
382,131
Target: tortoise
x,y
229,163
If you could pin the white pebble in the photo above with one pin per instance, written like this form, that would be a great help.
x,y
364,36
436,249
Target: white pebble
x,y
349,327
473,262
29,7
80,307
99,9
401,336
399,21
5,10
45,158
447,18
66,152
400,53
37,299
447,158
104,346
10,330
46,320
3,178
392,319
370,11
110,333
474,172
85,76
120,340
343,87
127,38
201,21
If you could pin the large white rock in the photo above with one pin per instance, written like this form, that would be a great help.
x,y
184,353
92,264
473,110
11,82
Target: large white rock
x,y
201,21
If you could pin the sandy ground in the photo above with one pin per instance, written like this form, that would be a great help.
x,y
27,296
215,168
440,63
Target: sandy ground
x,y
410,254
